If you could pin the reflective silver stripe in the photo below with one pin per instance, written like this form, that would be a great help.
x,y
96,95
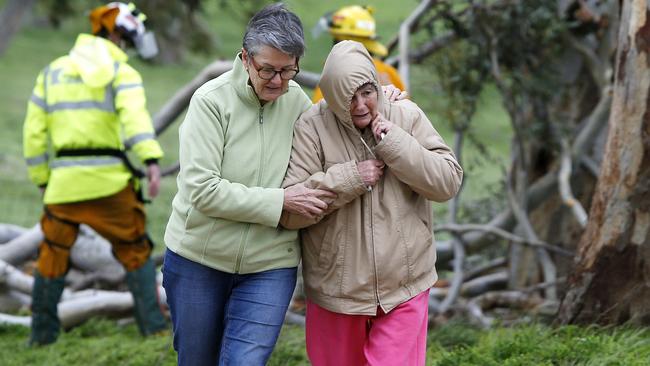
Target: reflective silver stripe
x,y
55,75
40,159
46,73
105,105
38,101
139,137
60,163
127,86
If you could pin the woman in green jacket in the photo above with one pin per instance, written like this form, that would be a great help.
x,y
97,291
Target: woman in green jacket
x,y
229,270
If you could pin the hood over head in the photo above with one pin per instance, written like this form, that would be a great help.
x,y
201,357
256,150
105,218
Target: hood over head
x,y
348,67
94,58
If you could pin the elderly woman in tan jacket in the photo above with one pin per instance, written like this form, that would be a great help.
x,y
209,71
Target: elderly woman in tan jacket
x,y
369,261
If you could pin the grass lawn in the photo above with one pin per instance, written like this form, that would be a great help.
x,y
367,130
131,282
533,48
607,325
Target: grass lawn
x,y
101,342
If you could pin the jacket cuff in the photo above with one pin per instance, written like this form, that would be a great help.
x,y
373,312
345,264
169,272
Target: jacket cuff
x,y
274,209
352,178
389,147
151,161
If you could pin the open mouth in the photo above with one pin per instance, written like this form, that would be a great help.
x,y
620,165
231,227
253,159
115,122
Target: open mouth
x,y
360,116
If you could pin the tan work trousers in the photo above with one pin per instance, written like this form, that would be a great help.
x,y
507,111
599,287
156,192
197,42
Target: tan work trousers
x,y
119,218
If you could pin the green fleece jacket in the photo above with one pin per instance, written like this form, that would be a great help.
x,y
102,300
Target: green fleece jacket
x,y
234,154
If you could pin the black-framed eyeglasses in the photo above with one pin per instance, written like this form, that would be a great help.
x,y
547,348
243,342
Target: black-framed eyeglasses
x,y
267,73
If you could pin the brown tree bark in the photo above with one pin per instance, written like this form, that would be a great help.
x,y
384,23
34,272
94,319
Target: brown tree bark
x,y
611,281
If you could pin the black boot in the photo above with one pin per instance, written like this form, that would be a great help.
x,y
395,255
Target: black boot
x,y
45,298
142,283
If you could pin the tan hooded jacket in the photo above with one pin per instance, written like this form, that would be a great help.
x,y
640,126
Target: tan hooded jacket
x,y
372,248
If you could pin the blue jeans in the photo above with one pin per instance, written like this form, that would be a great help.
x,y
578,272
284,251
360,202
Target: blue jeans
x,y
224,318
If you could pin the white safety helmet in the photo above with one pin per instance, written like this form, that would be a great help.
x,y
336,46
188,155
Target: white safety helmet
x,y
129,22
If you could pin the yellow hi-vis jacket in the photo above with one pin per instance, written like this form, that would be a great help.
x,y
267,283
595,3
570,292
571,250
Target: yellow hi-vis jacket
x,y
87,102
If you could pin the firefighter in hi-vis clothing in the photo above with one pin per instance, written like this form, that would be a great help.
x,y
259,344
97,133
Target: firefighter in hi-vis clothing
x,y
355,23
87,108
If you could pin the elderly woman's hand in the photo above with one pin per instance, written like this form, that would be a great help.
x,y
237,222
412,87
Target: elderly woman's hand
x,y
393,93
307,202
370,170
380,126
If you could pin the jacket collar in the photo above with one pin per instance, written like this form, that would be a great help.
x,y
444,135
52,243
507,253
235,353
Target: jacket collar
x,y
240,82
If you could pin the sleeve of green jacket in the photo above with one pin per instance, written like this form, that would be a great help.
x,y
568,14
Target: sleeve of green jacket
x,y
201,153
35,135
131,107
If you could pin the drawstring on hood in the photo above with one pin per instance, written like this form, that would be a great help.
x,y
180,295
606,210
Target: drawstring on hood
x,y
348,67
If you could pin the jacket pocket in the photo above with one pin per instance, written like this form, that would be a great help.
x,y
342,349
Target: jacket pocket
x,y
194,219
417,240
329,249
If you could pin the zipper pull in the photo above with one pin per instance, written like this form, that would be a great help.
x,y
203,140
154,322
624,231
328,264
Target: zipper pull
x,y
261,116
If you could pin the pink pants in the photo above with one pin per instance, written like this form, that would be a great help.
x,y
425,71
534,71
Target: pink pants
x,y
397,338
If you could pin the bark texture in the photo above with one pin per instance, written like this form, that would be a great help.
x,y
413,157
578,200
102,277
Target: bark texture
x,y
611,281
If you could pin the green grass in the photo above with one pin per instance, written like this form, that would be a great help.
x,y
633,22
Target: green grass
x,y
540,345
102,342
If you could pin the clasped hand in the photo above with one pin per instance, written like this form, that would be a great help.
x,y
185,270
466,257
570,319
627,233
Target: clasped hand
x,y
371,171
307,202
380,127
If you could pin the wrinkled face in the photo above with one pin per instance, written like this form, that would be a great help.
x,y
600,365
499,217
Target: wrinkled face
x,y
267,60
364,106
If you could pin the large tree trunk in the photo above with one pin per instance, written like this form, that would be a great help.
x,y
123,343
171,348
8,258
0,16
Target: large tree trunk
x,y
611,283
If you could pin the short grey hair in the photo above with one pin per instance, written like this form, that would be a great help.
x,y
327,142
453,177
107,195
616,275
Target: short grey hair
x,y
277,27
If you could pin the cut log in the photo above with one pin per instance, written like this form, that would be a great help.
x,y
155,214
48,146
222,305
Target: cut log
x,y
9,232
23,247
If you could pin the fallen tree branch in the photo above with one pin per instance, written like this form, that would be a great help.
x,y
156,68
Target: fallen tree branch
x,y
485,268
294,318
476,286
6,319
510,299
15,279
180,100
463,228
9,232
23,247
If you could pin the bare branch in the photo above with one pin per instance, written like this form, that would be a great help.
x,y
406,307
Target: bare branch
x,y
548,267
404,39
419,54
489,266
491,229
595,122
591,165
595,65
9,232
510,299
177,104
564,177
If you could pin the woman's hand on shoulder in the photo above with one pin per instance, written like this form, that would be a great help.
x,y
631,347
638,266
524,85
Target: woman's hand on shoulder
x,y
393,93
